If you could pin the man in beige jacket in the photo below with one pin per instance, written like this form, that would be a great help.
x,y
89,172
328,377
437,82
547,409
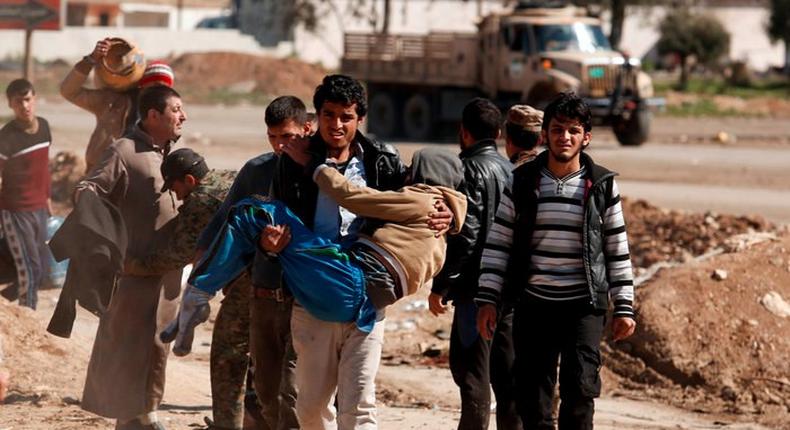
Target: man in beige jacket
x,y
126,373
115,111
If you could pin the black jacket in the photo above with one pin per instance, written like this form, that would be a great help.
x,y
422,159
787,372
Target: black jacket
x,y
486,174
384,171
93,238
599,182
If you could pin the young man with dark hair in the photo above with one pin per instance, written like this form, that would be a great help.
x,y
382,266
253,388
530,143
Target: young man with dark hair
x,y
126,373
256,318
345,360
335,358
522,133
560,243
477,364
24,192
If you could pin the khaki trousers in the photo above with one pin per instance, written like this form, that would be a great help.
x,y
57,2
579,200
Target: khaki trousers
x,y
335,359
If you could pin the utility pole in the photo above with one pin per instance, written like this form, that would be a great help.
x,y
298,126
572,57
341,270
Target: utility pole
x,y
385,27
180,15
28,66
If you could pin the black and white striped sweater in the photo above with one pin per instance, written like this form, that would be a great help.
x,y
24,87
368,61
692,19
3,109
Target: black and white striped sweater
x,y
556,269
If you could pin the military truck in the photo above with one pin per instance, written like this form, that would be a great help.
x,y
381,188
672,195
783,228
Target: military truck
x,y
418,84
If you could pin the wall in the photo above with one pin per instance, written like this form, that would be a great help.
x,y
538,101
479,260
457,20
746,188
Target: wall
x,y
748,39
263,19
746,24
72,43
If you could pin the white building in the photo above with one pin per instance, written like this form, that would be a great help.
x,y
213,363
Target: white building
x,y
266,20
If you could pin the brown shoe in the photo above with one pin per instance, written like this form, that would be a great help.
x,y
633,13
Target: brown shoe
x,y
137,425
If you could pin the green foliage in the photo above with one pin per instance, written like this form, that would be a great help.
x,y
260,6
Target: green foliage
x,y
702,107
775,88
686,34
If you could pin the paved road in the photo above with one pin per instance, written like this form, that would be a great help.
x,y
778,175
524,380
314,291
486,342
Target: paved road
x,y
748,177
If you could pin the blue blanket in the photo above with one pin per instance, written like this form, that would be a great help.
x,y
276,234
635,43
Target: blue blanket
x,y
319,273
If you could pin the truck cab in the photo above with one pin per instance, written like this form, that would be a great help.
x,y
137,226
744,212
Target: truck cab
x,y
544,51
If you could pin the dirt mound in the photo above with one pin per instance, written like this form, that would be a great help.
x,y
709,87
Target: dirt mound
x,y
714,341
41,365
205,73
661,235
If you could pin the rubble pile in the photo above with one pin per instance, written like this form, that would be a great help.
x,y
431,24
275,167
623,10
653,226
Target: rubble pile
x,y
66,169
660,235
716,343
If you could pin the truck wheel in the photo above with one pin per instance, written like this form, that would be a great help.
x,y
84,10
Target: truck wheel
x,y
635,130
381,115
417,117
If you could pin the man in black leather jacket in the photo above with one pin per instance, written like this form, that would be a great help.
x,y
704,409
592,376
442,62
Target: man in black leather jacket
x,y
476,362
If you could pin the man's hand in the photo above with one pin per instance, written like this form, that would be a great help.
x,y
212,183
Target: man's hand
x,y
101,49
440,220
622,327
194,310
435,304
274,238
297,150
486,321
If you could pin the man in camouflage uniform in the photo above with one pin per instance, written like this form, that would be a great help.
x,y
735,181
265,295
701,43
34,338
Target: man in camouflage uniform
x,y
186,175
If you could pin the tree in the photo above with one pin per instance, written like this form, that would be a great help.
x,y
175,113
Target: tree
x,y
687,35
779,27
307,13
618,19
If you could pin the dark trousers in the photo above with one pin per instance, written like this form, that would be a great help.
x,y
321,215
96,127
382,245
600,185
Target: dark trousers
x,y
25,233
544,333
477,364
274,360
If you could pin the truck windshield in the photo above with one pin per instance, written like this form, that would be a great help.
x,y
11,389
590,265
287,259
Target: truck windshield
x,y
572,37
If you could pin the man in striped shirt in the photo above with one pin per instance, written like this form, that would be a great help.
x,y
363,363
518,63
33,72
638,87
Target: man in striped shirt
x,y
559,245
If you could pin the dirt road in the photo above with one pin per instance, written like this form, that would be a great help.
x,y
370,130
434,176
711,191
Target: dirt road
x,y
188,398
748,176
